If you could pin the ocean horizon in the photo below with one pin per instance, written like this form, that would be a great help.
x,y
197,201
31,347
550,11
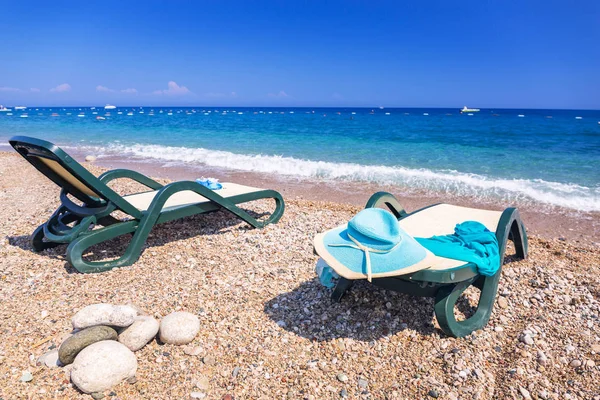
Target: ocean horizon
x,y
517,156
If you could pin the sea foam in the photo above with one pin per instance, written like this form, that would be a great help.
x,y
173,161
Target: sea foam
x,y
515,191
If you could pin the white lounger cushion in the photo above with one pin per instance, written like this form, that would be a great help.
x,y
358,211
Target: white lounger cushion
x,y
441,220
185,198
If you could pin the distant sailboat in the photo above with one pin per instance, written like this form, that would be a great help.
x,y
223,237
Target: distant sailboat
x,y
109,107
469,110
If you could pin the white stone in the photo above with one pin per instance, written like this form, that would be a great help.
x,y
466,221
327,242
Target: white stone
x,y
179,328
103,365
525,393
90,158
50,359
104,314
143,330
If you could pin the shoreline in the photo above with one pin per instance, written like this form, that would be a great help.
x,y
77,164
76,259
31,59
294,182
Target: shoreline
x,y
551,222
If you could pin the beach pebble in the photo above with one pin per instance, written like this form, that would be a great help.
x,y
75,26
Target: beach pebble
x,y
102,365
90,158
575,364
342,377
362,383
527,339
433,393
143,330
596,348
50,359
179,328
502,302
542,359
104,314
69,349
26,377
197,395
192,350
202,383
525,393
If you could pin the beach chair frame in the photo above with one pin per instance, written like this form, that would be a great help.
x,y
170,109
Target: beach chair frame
x,y
73,223
446,286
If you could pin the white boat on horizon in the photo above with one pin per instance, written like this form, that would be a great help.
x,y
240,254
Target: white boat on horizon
x,y
109,107
20,108
469,110
4,109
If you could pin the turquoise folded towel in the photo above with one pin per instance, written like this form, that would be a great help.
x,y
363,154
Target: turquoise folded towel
x,y
327,276
211,183
471,242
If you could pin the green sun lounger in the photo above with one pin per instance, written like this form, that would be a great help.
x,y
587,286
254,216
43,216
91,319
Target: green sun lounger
x,y
87,201
444,279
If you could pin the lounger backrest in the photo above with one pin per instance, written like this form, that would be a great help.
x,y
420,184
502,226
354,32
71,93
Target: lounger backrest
x,y
63,170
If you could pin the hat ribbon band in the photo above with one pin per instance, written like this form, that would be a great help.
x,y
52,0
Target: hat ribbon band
x,y
359,246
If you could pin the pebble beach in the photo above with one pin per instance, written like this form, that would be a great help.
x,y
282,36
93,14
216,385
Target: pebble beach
x,y
268,329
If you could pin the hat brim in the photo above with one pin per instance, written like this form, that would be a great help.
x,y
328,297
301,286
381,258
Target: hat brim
x,y
408,257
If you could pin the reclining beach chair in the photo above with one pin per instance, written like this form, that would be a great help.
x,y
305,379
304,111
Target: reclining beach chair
x,y
73,222
444,279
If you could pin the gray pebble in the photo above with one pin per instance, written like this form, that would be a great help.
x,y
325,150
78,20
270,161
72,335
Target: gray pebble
x,y
344,393
433,393
69,349
362,383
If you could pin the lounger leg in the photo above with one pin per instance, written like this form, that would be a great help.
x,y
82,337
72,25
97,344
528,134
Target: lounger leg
x,y
341,287
81,244
511,227
446,299
519,238
37,240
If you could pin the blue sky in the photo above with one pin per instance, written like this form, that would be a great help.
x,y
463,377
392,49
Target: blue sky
x,y
521,54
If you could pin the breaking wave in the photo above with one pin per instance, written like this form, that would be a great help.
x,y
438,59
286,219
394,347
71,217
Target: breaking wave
x,y
571,196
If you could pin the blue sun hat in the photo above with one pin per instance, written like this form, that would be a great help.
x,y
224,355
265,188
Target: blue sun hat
x,y
371,244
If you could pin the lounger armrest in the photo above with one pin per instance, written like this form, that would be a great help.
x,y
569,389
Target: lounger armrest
x,y
170,189
380,199
129,174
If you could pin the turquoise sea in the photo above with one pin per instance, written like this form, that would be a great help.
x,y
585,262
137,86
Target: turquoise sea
x,y
549,157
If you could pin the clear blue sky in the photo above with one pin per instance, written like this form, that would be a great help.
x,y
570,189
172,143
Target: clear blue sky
x,y
530,54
